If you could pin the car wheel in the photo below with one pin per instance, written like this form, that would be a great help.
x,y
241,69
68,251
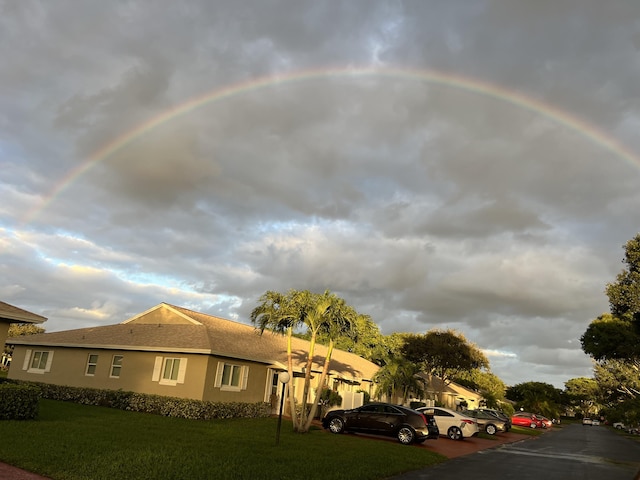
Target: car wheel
x,y
336,425
491,429
454,433
406,435
533,425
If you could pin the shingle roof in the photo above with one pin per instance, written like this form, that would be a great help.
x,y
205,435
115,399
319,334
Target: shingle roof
x,y
18,315
200,333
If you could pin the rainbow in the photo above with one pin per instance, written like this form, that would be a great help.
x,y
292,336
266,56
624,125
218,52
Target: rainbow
x,y
479,87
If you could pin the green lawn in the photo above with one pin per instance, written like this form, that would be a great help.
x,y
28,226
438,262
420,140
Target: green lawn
x,y
534,432
70,441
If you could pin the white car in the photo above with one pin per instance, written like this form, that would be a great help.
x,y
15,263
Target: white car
x,y
619,425
453,424
595,422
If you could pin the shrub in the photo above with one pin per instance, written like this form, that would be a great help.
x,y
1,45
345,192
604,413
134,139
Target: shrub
x,y
19,402
367,396
155,404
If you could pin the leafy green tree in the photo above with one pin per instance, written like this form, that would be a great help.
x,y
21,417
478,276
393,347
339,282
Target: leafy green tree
x,y
617,335
444,354
20,329
490,386
317,314
609,337
619,380
624,294
584,393
613,340
536,397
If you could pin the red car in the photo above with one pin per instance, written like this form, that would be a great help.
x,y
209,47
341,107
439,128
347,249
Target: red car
x,y
524,419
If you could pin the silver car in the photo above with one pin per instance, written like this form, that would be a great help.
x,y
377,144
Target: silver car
x,y
489,423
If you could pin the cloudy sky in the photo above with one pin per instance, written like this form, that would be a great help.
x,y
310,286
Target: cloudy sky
x,y
472,165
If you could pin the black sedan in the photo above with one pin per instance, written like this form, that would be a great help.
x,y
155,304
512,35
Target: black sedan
x,y
407,425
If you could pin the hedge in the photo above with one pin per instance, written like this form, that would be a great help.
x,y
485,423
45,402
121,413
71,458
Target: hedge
x,y
155,404
19,402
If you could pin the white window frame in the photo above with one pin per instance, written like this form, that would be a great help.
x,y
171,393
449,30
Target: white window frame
x,y
115,365
243,376
90,364
30,357
160,367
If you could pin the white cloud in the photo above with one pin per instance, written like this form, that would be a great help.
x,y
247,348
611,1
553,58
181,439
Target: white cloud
x,y
421,203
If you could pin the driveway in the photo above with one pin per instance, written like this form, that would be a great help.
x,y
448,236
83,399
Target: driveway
x,y
569,452
457,448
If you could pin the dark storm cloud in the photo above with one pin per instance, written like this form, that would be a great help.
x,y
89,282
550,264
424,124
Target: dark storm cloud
x,y
424,205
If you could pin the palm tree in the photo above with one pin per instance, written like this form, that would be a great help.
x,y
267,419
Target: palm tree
x,y
280,314
324,314
398,378
337,320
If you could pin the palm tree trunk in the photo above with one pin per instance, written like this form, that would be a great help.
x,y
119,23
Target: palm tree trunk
x,y
323,376
292,398
307,381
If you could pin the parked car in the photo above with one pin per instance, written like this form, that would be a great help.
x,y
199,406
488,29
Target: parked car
x,y
407,425
619,425
524,419
587,421
498,414
546,423
595,422
454,425
487,422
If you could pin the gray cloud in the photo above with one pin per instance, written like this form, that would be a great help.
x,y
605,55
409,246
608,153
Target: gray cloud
x,y
423,204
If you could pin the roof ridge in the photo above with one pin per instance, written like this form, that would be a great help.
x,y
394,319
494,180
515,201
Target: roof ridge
x,y
19,314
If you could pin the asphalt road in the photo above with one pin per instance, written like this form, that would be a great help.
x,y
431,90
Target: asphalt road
x,y
571,452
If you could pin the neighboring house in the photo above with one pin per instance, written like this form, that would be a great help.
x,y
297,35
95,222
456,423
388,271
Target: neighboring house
x,y
173,351
451,395
10,314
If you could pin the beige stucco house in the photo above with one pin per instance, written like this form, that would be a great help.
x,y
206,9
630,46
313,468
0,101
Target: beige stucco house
x,y
173,351
10,314
450,394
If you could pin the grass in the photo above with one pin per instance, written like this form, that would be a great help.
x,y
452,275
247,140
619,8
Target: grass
x,y
73,442
534,432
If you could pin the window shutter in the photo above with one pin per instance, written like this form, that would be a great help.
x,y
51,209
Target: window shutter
x,y
218,381
49,360
245,377
156,369
182,370
27,359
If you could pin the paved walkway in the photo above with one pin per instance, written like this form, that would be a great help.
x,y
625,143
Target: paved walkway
x,y
9,472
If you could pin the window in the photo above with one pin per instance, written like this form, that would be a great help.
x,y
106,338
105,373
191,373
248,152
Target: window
x,y
230,376
169,370
92,364
37,361
116,366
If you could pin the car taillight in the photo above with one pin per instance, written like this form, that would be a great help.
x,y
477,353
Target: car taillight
x,y
470,422
424,418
